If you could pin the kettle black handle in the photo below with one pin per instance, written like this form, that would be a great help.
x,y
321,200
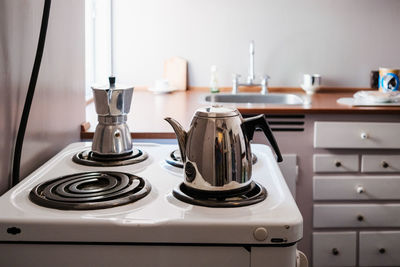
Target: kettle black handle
x,y
249,126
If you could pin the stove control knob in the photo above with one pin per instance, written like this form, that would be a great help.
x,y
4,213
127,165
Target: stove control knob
x,y
260,234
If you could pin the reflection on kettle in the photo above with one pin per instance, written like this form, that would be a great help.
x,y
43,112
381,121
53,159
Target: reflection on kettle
x,y
216,149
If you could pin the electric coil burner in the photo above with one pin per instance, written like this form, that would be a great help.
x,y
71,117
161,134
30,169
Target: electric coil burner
x,y
175,159
251,194
90,158
90,190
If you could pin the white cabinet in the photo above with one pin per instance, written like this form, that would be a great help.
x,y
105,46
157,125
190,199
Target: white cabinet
x,y
376,248
356,215
347,197
334,249
356,187
380,163
380,248
356,135
335,163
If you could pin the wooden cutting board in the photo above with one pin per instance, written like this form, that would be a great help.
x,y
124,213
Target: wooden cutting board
x,y
175,71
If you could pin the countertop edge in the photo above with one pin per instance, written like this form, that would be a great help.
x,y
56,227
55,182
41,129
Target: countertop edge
x,y
150,125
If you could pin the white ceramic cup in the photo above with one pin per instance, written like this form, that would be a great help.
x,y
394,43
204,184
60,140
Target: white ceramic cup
x,y
311,80
161,85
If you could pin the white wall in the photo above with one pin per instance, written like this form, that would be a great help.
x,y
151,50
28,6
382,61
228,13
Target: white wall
x,y
340,39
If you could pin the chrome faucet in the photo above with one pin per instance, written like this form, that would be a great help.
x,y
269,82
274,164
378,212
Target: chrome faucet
x,y
251,76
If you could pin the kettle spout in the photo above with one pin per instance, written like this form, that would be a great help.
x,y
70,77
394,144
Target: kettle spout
x,y
180,136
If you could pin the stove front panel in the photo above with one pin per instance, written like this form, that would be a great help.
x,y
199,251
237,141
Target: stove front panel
x,y
83,255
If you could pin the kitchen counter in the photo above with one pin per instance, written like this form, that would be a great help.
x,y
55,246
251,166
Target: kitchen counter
x,y
146,118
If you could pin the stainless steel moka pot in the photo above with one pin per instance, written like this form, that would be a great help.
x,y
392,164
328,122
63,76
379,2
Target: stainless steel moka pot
x,y
216,149
112,136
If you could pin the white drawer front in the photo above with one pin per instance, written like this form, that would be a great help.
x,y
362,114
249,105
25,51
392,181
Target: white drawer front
x,y
334,249
335,163
380,163
356,135
380,248
356,187
356,215
77,255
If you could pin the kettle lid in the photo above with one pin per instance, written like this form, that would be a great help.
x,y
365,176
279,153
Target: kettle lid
x,y
216,111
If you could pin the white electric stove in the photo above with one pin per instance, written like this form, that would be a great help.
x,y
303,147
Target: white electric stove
x,y
153,229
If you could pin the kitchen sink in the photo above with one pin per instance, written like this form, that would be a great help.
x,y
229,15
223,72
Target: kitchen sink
x,y
272,98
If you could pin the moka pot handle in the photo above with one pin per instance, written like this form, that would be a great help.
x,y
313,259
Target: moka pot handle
x,y
249,125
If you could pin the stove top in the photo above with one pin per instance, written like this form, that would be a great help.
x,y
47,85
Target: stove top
x,y
158,217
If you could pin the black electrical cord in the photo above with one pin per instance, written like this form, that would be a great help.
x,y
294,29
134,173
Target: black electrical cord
x,y
29,95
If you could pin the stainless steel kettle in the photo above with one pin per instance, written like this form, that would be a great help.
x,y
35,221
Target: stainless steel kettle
x,y
216,150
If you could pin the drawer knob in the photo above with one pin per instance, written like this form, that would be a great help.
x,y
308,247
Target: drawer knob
x,y
360,189
364,136
360,218
382,250
335,251
385,164
338,163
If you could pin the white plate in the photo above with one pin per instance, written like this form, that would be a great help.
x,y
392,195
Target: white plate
x,y
376,97
161,91
349,101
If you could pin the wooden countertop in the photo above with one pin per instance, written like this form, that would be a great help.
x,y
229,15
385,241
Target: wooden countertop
x,y
146,118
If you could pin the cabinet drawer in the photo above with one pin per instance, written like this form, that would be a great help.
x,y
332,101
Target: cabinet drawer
x,y
356,215
356,135
334,249
380,163
335,163
380,248
356,187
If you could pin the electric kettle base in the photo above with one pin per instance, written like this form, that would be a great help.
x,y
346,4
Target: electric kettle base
x,y
89,158
251,194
